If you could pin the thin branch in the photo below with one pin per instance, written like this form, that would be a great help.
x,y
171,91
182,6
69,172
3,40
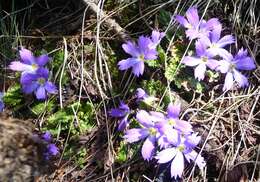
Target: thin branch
x,y
108,22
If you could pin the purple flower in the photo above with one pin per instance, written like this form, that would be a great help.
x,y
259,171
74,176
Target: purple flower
x,y
171,126
28,63
38,83
201,61
50,151
144,97
230,67
143,51
148,131
194,27
176,155
1,102
121,112
141,94
216,44
156,38
47,136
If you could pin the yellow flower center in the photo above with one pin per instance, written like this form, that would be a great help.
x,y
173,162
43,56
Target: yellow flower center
x,y
214,45
172,122
41,81
232,66
152,131
141,57
34,66
204,59
189,26
181,148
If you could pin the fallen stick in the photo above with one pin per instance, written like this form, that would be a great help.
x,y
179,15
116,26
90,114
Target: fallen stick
x,y
108,22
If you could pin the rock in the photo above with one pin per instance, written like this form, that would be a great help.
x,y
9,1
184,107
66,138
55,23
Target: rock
x,y
20,152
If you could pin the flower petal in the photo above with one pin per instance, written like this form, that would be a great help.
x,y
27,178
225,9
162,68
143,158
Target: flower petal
x,y
143,44
223,66
47,136
135,134
191,61
200,48
192,140
40,93
43,73
241,80
173,110
50,87
148,148
2,106
29,88
214,51
28,78
228,81
127,63
226,40
199,160
181,20
192,33
156,37
215,34
166,155
212,64
138,69
157,116
19,66
131,48
192,16
140,93
26,56
177,165
144,118
205,40
116,112
150,54
123,124
163,142
211,23
245,63
42,60
199,71
124,107
183,126
52,149
173,136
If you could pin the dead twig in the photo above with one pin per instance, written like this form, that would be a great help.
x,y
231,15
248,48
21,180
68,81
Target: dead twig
x,y
108,22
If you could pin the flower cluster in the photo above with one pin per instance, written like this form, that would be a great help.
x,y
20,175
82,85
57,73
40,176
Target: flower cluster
x,y
51,149
144,50
167,138
121,112
211,52
34,76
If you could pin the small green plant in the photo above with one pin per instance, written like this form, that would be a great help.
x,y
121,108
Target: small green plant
x,y
13,97
40,107
68,120
122,152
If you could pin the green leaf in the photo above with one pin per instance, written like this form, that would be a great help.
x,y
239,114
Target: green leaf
x,y
153,63
161,54
40,107
164,17
65,119
121,156
13,97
